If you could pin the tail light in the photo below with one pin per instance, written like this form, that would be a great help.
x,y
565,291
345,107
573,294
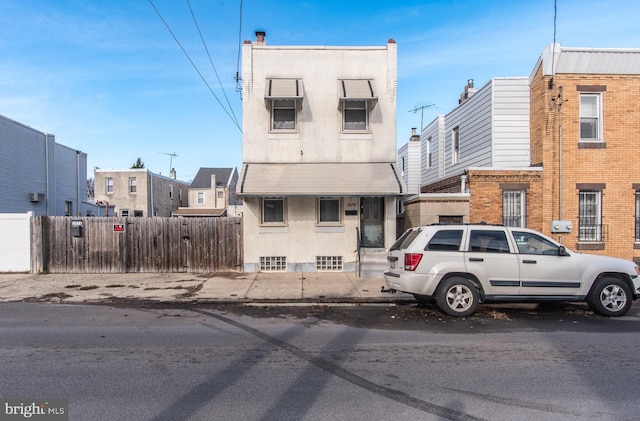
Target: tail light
x,y
411,260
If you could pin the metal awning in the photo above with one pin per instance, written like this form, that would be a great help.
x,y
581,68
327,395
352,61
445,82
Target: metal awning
x,y
284,89
356,90
311,179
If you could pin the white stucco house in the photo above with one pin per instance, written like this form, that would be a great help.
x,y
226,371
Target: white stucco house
x,y
319,174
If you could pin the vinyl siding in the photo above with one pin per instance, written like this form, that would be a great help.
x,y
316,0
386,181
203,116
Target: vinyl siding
x,y
511,123
436,131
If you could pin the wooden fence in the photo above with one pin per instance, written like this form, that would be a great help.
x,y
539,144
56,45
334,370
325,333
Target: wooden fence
x,y
119,245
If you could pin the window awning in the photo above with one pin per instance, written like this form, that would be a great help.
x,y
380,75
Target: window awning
x,y
340,179
356,90
283,89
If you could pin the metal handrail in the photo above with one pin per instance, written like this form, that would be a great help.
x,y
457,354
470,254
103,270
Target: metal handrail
x,y
358,247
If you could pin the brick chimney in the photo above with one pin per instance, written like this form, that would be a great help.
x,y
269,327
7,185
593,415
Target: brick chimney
x,y
469,90
415,137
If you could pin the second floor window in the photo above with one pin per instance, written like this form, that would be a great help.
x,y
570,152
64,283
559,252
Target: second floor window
x,y
200,198
357,99
455,146
132,185
108,183
590,117
284,98
171,191
355,115
590,216
429,152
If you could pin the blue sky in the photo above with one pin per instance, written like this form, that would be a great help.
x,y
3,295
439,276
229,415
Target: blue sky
x,y
107,77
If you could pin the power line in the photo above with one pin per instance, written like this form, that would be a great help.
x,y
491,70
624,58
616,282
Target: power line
x,y
194,66
211,61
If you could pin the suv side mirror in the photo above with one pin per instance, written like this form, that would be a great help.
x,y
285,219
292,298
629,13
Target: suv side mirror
x,y
562,251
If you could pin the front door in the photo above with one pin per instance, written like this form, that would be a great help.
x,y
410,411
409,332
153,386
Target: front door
x,y
372,221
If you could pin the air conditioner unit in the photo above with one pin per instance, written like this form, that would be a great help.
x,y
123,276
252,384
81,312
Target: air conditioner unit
x,y
34,197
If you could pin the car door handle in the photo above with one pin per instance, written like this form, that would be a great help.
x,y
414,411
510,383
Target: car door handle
x,y
476,259
530,261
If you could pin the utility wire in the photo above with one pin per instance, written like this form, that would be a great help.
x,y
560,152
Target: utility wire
x,y
212,65
194,66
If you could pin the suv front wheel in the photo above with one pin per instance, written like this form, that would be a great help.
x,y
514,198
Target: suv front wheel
x,y
610,297
458,297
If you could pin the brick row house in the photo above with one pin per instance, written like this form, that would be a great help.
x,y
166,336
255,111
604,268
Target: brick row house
x,y
570,176
319,178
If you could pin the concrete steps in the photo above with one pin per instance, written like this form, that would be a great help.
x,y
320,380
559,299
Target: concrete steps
x,y
373,262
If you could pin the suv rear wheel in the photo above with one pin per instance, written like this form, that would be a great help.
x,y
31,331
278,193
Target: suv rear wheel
x,y
458,297
610,297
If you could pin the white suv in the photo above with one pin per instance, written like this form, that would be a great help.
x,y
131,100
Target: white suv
x,y
459,266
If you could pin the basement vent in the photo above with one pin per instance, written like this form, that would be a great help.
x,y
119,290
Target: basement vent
x,y
329,263
273,264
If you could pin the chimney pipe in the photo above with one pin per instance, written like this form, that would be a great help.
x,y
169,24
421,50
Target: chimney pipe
x,y
260,37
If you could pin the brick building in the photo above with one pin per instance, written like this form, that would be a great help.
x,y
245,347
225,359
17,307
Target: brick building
x,y
578,186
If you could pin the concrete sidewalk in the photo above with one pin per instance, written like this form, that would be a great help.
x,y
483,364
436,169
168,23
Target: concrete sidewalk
x,y
318,287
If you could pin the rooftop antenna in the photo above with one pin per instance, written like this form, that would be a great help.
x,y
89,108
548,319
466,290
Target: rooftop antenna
x,y
170,159
421,106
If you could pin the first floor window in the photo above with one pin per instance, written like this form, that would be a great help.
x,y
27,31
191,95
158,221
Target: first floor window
x,y
273,211
124,212
137,213
328,210
590,216
108,183
68,208
513,208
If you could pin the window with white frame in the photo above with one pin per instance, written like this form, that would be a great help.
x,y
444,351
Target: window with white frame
x,y
200,198
329,210
591,117
108,184
357,99
132,185
429,152
124,212
590,216
455,146
513,208
171,191
273,210
284,98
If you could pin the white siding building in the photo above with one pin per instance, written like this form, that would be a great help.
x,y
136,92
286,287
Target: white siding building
x,y
490,128
319,155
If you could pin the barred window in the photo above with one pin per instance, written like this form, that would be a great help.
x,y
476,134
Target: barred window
x,y
590,216
513,208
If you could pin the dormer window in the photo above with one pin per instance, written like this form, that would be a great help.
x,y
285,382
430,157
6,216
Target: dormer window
x,y
357,99
284,100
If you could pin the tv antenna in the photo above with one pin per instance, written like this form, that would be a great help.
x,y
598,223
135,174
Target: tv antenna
x,y
421,106
170,159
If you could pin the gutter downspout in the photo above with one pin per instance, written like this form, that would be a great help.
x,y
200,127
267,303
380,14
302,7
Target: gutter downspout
x,y
78,183
46,173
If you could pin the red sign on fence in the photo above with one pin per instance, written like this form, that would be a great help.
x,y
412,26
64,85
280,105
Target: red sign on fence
x,y
118,227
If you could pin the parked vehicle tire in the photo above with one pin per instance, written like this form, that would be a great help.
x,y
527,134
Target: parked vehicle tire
x,y
610,297
424,299
458,297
